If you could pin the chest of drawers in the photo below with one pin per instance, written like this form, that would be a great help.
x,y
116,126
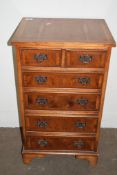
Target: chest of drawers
x,y
62,68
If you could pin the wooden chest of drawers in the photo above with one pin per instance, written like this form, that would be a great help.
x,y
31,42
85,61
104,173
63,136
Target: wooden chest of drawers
x,y
62,67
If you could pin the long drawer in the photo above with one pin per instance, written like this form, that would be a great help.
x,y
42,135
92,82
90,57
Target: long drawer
x,y
60,143
62,80
61,101
61,124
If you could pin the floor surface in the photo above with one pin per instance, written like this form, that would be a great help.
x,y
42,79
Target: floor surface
x,y
11,160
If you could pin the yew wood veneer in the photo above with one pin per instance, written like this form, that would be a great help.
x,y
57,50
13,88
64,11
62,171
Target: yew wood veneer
x,y
62,68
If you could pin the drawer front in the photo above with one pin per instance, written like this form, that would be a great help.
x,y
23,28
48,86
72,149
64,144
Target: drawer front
x,y
60,143
41,57
85,59
61,101
61,124
62,80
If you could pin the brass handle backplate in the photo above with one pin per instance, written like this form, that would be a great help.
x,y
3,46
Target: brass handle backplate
x,y
41,79
84,80
85,59
40,57
82,101
42,101
79,144
42,143
80,124
42,124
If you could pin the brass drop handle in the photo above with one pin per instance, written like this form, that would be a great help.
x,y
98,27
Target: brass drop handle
x,y
42,101
79,144
41,79
80,125
82,101
86,59
42,124
84,80
42,143
40,57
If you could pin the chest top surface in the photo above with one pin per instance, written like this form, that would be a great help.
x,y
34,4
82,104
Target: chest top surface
x,y
82,31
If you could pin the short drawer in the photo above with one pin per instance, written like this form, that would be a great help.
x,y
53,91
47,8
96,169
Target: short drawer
x,y
61,124
85,59
60,143
41,57
62,80
61,101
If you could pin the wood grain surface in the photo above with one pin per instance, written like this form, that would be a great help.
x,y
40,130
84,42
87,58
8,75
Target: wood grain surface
x,y
84,31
